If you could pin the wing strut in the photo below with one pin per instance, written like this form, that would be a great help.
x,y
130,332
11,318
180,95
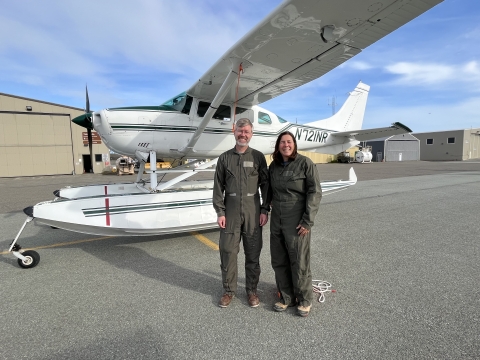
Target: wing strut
x,y
222,92
176,180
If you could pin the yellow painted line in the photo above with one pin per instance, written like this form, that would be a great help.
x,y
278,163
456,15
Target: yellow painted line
x,y
63,244
204,240
198,236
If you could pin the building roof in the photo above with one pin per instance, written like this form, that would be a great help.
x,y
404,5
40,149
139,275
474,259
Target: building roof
x,y
41,101
400,137
445,131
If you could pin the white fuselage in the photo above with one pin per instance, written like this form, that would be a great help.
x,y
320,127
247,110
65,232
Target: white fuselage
x,y
126,131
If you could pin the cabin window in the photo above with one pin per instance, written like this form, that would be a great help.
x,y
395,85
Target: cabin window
x,y
264,118
429,141
202,108
223,112
451,140
282,120
241,113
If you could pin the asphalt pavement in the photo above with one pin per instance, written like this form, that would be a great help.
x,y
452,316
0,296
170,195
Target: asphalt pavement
x,y
401,249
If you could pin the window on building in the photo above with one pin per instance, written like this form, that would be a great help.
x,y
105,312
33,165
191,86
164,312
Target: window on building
x,y
98,157
429,141
264,118
451,140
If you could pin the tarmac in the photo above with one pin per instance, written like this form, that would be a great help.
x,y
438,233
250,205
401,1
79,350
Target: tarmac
x,y
401,249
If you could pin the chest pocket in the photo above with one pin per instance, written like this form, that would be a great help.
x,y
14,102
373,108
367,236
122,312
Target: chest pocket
x,y
230,182
252,180
296,182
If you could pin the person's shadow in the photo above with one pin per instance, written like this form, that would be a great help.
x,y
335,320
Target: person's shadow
x,y
140,262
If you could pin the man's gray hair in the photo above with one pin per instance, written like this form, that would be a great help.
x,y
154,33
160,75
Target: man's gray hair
x,y
243,122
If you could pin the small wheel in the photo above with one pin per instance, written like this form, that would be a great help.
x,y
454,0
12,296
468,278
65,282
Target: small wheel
x,y
33,258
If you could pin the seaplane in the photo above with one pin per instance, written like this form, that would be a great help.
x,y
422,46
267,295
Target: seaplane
x,y
298,42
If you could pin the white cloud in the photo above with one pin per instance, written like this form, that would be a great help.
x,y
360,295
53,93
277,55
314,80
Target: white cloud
x,y
472,68
359,65
433,74
428,117
421,73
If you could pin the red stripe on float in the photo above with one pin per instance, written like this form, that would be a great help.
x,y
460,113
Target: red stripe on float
x,y
107,205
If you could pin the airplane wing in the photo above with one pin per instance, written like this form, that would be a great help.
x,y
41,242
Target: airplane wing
x,y
369,134
302,40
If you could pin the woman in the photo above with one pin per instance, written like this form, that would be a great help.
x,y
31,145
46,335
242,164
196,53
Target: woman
x,y
295,193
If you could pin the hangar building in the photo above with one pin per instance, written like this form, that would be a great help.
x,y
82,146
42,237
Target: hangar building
x,y
453,145
38,138
402,147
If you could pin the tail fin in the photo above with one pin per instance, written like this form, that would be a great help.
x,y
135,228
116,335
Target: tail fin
x,y
350,115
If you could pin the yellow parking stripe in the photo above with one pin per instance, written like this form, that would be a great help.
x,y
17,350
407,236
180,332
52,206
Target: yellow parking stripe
x,y
204,240
198,236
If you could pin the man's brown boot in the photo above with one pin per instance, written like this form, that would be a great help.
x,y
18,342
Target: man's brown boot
x,y
253,300
225,300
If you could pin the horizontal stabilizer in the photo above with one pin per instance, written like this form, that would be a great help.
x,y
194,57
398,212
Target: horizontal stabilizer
x,y
370,134
331,187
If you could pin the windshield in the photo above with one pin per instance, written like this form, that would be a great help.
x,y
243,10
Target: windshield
x,y
182,102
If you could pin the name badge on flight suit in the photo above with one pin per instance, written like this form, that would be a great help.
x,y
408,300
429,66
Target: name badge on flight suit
x,y
287,173
248,164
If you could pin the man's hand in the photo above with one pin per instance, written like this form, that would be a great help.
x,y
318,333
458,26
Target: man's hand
x,y
221,221
263,219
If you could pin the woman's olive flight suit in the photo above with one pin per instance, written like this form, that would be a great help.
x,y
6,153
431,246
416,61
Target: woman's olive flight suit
x,y
296,194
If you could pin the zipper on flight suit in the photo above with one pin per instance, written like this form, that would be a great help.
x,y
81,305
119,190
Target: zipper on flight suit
x,y
240,182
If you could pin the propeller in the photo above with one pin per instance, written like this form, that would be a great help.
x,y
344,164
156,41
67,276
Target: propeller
x,y
85,121
89,129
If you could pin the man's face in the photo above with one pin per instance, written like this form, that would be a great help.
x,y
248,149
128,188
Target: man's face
x,y
243,135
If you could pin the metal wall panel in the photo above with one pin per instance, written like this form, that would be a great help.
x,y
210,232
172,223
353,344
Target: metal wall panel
x,y
402,150
35,144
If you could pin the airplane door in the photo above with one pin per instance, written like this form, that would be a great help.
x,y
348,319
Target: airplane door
x,y
263,133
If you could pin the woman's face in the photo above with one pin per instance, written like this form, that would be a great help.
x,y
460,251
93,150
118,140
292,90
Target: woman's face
x,y
286,146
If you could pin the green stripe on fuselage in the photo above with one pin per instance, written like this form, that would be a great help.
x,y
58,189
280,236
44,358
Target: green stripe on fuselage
x,y
144,207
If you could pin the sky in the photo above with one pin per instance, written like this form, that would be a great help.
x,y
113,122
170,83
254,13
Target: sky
x,y
425,75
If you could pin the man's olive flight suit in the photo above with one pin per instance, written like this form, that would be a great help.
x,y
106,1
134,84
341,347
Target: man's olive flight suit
x,y
296,194
240,176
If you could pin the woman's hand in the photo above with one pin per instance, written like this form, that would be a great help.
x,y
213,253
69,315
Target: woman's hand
x,y
302,231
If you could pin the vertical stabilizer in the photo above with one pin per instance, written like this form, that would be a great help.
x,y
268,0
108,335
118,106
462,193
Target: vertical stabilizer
x,y
350,115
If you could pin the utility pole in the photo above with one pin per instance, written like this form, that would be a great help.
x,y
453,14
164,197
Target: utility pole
x,y
333,104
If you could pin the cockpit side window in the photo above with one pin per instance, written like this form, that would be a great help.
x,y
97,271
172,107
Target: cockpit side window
x,y
282,120
188,105
223,112
264,118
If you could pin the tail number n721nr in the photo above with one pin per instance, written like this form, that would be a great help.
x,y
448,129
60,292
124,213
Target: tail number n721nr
x,y
311,135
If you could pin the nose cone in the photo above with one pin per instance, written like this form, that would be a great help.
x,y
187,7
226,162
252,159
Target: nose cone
x,y
84,120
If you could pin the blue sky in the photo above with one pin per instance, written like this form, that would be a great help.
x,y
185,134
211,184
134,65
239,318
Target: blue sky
x,y
425,75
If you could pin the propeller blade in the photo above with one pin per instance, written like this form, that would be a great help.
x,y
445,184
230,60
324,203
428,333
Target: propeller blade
x,y
85,120
87,105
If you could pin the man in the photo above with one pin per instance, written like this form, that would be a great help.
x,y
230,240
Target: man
x,y
240,172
